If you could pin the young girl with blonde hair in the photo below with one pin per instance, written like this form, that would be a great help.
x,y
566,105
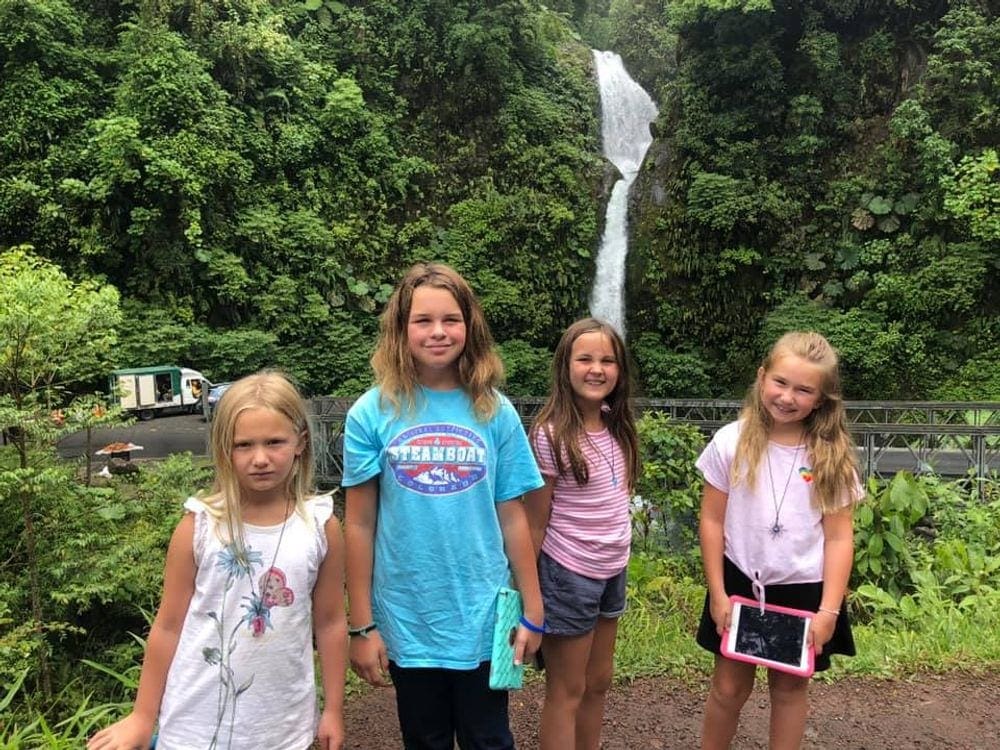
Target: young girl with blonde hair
x,y
776,525
587,447
435,464
254,572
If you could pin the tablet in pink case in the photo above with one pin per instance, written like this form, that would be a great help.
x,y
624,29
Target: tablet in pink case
x,y
775,637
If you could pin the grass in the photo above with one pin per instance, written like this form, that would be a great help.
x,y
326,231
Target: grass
x,y
656,638
937,636
68,733
656,634
947,621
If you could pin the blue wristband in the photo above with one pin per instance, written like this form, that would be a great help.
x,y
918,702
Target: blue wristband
x,y
531,626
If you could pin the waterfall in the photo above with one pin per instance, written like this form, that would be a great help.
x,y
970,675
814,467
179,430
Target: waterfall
x,y
626,112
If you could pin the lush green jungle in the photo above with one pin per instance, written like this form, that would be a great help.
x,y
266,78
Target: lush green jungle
x,y
238,183
251,177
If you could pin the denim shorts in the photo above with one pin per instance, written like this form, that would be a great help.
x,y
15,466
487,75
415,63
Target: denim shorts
x,y
574,602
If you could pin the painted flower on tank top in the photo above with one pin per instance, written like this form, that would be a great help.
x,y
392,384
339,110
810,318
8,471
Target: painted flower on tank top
x,y
239,562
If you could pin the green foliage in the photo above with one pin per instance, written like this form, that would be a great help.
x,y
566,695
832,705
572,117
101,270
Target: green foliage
x,y
973,194
882,526
664,603
670,374
518,301
977,379
688,11
965,551
641,33
852,151
253,179
960,84
882,213
63,560
719,201
917,540
924,630
528,368
668,493
54,331
933,592
100,553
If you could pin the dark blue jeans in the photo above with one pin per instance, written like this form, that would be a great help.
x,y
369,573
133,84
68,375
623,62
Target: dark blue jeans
x,y
438,706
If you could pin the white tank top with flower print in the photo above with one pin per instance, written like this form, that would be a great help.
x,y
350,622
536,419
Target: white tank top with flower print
x,y
242,677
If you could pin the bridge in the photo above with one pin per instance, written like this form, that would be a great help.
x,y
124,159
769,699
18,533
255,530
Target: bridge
x,y
948,438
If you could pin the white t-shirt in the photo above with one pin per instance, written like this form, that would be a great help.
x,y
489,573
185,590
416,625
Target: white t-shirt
x,y
590,526
243,669
795,555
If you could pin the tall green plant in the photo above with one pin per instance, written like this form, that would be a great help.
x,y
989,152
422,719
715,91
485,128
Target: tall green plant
x,y
53,331
883,547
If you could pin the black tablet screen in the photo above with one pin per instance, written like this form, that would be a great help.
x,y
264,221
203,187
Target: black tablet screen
x,y
770,635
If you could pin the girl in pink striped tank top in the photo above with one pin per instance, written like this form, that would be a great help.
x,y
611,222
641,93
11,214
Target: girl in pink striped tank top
x,y
587,449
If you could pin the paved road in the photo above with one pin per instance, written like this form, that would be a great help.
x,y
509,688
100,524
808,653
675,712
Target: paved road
x,y
158,437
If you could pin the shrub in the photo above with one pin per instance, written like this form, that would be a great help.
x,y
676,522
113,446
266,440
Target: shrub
x,y
668,492
883,554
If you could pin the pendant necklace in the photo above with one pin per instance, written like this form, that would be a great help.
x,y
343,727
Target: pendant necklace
x,y
265,580
777,527
610,463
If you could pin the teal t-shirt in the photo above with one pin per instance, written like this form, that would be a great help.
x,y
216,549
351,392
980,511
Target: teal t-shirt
x,y
439,554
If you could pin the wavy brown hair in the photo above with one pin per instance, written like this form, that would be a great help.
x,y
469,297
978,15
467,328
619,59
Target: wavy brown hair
x,y
264,390
480,370
560,416
828,441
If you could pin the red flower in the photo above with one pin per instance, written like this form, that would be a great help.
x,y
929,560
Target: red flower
x,y
258,625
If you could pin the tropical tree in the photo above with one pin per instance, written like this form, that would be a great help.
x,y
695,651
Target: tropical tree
x,y
53,332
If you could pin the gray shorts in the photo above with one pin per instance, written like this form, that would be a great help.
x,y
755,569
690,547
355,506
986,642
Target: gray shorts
x,y
574,602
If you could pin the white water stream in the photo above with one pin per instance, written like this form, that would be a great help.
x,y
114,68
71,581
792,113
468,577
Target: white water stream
x,y
626,112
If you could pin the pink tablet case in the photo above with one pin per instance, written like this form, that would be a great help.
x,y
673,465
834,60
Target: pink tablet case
x,y
811,658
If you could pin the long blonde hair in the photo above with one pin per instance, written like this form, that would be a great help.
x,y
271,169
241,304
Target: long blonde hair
x,y
480,371
828,441
560,416
264,390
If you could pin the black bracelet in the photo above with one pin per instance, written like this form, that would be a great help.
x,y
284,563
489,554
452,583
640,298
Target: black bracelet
x,y
363,631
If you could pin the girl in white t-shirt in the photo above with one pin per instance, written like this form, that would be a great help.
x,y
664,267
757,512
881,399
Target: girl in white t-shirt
x,y
254,571
776,525
587,449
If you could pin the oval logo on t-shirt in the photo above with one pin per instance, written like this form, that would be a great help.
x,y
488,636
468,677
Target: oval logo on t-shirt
x,y
437,459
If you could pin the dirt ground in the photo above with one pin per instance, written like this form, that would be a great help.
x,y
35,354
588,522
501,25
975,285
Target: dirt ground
x,y
954,711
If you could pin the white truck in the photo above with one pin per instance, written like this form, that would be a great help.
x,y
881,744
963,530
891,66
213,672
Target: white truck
x,y
164,389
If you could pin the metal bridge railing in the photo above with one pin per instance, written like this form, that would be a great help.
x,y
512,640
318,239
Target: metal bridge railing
x,y
948,438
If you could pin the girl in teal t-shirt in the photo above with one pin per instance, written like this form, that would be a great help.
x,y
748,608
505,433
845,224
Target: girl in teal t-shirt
x,y
435,463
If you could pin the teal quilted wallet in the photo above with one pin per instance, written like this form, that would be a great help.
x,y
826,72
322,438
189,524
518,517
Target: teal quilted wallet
x,y
504,674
